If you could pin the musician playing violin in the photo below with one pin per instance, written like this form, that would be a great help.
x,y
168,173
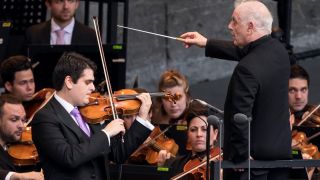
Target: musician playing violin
x,y
17,77
196,117
12,118
299,83
70,148
167,111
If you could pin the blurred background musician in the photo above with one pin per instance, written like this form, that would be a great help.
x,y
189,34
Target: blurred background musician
x,y
299,84
17,77
12,118
62,28
170,114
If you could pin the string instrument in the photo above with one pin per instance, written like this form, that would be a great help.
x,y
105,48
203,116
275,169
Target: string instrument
x,y
156,142
301,142
125,102
197,167
24,152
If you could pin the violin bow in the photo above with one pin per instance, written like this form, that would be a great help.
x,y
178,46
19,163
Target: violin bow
x,y
105,69
305,119
195,167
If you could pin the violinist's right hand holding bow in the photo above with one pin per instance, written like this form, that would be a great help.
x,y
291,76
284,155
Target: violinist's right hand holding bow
x,y
27,176
163,156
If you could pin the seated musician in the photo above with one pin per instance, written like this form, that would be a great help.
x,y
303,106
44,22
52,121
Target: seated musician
x,y
17,77
196,117
12,117
299,83
167,111
69,147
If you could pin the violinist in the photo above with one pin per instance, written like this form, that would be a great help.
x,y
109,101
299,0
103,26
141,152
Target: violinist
x,y
69,147
299,83
17,77
196,117
167,111
12,118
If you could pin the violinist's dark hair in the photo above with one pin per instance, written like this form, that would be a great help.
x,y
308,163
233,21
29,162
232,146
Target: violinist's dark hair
x,y
70,64
299,72
196,109
14,64
8,98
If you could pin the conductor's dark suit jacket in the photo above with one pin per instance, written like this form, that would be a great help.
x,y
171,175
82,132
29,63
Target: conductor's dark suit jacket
x,y
67,153
40,34
6,164
259,89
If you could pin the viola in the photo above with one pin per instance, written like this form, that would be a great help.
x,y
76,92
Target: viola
x,y
99,107
24,152
197,167
156,142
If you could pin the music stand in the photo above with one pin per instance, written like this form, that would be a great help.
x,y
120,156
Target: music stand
x,y
128,172
45,57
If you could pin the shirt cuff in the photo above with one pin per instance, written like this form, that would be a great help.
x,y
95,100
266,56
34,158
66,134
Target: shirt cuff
x,y
8,176
145,123
103,130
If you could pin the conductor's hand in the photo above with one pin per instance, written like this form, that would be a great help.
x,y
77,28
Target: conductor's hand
x,y
145,105
193,38
27,176
163,156
115,127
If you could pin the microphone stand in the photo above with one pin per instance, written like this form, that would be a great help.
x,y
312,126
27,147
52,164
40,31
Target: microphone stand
x,y
249,147
220,146
208,149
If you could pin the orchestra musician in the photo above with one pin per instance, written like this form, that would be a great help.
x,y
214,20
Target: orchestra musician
x,y
196,117
17,77
12,118
167,111
299,83
62,28
261,75
70,148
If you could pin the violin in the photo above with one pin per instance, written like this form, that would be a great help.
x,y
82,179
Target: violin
x,y
99,107
301,142
156,142
311,117
24,152
197,167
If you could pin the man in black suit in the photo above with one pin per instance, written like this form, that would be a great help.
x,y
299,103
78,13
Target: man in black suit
x,y
69,151
12,118
62,12
258,88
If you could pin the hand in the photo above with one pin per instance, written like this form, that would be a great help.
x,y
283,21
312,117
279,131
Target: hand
x,y
27,176
115,127
163,156
146,103
193,38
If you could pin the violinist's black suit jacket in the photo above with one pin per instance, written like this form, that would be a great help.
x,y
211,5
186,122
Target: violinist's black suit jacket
x,y
6,164
40,34
67,153
258,88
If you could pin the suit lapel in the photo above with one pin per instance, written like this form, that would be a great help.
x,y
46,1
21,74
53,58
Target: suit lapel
x,y
46,32
65,118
